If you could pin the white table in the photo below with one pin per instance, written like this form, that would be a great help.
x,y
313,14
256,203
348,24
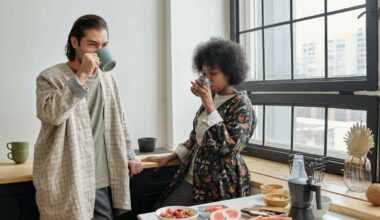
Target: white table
x,y
247,202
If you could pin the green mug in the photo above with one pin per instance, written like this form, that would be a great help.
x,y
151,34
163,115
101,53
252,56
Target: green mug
x,y
18,157
107,62
18,146
19,151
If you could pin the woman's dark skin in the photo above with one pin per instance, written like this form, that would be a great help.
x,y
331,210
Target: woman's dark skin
x,y
219,84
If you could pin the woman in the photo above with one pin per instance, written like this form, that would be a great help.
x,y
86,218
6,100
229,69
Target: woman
x,y
212,168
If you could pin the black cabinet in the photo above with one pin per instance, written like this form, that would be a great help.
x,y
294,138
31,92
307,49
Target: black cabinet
x,y
17,200
146,188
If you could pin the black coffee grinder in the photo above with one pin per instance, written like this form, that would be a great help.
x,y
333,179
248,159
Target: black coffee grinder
x,y
301,195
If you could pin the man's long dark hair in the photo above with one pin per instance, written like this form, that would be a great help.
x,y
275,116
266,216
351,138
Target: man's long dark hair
x,y
78,30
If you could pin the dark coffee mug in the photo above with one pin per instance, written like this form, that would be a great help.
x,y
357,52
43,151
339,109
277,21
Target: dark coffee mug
x,y
147,144
107,62
203,81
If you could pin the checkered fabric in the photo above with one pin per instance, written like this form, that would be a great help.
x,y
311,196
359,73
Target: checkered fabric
x,y
64,159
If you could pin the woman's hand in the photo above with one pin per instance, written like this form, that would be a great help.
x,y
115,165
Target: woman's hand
x,y
161,160
205,94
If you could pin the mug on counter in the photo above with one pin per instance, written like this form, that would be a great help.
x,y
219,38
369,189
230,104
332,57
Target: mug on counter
x,y
19,151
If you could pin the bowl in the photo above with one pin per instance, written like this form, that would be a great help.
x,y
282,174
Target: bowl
x,y
277,199
272,188
194,212
147,144
319,213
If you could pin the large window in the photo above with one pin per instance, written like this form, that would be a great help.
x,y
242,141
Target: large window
x,y
307,48
316,45
289,123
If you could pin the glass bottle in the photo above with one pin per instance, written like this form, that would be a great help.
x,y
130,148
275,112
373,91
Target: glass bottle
x,y
298,168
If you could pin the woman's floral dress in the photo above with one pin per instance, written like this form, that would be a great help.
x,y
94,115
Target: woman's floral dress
x,y
220,172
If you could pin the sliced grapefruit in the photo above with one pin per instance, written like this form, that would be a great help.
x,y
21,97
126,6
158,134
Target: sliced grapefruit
x,y
226,214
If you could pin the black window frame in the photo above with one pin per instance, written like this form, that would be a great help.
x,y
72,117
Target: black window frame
x,y
334,165
312,92
367,83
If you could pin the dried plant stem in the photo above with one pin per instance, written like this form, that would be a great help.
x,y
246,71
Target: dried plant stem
x,y
360,164
360,167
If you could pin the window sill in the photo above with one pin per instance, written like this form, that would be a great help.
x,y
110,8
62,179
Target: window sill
x,y
343,201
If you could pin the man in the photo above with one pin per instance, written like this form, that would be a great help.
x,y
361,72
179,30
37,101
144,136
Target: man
x,y
83,156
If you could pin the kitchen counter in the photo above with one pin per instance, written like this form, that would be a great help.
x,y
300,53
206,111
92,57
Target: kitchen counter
x,y
17,173
17,192
343,201
262,171
147,165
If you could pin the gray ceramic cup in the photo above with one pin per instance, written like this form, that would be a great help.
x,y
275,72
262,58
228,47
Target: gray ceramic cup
x,y
204,81
147,144
107,62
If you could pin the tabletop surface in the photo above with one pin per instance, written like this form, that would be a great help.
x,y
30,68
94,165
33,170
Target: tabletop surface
x,y
246,202
16,173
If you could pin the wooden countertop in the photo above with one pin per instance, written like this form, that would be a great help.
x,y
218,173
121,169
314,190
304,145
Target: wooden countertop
x,y
263,171
343,201
15,173
147,165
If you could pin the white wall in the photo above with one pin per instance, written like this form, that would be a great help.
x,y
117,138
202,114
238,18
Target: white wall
x,y
32,38
153,42
189,23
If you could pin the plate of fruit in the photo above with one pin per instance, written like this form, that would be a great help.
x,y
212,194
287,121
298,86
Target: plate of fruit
x,y
177,212
205,211
226,214
270,218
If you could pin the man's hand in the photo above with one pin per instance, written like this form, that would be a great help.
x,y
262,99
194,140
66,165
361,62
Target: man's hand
x,y
89,66
135,167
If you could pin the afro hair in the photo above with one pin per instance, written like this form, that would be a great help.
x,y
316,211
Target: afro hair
x,y
225,54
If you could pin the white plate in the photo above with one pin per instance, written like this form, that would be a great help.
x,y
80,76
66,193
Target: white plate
x,y
194,213
203,213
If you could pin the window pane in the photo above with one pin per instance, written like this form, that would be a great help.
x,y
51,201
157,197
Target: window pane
x,y
257,137
250,14
309,128
309,49
277,53
253,44
276,11
333,5
277,126
339,123
305,8
346,44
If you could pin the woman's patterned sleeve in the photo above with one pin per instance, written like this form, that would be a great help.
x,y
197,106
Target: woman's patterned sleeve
x,y
232,136
181,151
